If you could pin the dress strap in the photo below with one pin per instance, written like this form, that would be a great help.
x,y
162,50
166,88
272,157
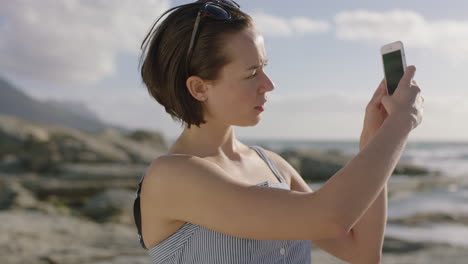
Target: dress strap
x,y
270,163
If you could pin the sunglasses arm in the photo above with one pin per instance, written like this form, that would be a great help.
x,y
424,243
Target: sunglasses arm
x,y
194,33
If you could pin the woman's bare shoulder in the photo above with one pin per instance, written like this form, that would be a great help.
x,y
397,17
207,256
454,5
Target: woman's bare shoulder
x,y
175,164
180,170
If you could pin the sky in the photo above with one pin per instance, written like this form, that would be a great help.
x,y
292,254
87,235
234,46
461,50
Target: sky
x,y
324,58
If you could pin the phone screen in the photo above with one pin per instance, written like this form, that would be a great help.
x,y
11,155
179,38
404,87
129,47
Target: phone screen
x,y
393,66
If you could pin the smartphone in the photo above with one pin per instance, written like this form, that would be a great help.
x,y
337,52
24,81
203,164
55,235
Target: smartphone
x,y
394,64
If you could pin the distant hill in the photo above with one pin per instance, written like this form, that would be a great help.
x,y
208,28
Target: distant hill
x,y
78,108
16,103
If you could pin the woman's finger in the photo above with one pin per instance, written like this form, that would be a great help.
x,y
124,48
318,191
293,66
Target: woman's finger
x,y
379,93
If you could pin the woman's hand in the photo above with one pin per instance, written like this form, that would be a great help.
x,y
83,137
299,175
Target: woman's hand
x,y
407,100
375,115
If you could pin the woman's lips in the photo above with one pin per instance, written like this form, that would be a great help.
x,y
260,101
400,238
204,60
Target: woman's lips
x,y
260,108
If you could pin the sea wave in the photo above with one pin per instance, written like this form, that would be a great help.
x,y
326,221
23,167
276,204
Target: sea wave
x,y
452,234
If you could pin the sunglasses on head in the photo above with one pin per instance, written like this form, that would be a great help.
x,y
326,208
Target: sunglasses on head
x,y
212,9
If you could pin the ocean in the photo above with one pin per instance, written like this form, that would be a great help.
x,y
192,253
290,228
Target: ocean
x,y
422,209
450,158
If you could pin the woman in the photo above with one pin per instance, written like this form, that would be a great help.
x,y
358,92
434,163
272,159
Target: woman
x,y
211,198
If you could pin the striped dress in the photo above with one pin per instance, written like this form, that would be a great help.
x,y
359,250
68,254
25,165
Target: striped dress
x,y
196,244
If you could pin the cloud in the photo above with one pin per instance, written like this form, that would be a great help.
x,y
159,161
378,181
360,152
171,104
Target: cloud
x,y
446,37
71,40
276,26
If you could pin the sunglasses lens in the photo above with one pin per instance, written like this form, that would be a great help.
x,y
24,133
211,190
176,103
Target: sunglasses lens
x,y
224,2
216,12
230,3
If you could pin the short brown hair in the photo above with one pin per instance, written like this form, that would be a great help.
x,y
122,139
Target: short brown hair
x,y
163,64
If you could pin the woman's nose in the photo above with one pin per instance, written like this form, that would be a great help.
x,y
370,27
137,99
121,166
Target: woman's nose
x,y
268,84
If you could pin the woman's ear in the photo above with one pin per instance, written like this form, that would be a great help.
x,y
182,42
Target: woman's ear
x,y
197,88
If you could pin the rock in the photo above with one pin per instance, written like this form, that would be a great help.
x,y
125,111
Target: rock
x,y
20,138
9,163
314,165
432,217
139,149
76,184
77,146
36,237
392,245
13,196
14,131
100,171
39,156
154,139
399,252
75,192
411,170
111,205
41,148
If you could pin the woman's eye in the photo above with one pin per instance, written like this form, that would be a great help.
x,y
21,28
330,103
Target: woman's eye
x,y
253,74
256,72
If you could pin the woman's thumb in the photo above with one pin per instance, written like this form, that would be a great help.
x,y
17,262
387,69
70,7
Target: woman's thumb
x,y
408,75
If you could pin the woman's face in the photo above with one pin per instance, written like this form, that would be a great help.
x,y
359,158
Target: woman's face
x,y
243,84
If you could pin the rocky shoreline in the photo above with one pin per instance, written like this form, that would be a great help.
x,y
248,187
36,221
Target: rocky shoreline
x,y
66,196
402,252
31,236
